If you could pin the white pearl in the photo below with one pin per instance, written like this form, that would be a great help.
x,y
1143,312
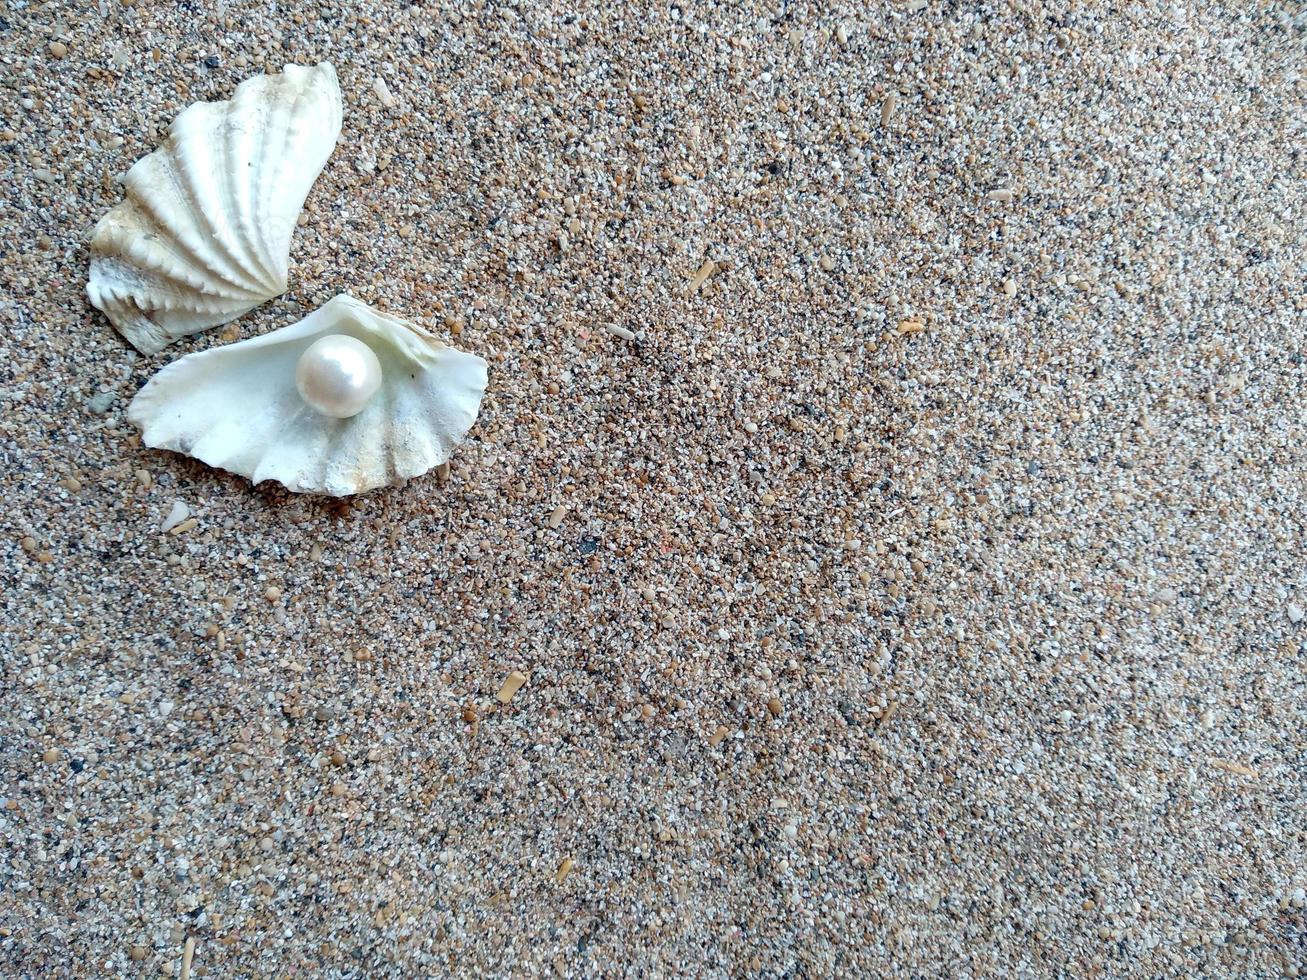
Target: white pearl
x,y
337,375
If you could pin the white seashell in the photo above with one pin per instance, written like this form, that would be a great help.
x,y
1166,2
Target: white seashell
x,y
239,407
204,233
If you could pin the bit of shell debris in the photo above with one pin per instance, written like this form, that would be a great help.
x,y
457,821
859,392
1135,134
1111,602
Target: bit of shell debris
x,y
701,276
887,106
178,513
564,870
382,91
511,684
1237,768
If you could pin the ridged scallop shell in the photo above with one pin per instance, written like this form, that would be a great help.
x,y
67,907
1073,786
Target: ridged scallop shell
x,y
238,408
204,233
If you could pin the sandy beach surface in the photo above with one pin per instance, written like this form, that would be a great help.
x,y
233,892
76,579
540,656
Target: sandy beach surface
x,y
890,485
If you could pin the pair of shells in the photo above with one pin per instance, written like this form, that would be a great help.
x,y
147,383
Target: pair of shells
x,y
346,400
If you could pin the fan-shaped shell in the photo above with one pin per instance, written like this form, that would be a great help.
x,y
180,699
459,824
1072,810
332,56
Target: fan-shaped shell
x,y
204,232
237,407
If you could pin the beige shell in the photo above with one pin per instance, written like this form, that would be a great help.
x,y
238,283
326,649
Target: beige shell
x,y
237,407
204,232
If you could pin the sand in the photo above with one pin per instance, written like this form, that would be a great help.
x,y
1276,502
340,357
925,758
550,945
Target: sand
x,y
916,589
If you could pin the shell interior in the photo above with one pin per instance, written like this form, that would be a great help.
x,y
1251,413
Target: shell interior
x,y
238,408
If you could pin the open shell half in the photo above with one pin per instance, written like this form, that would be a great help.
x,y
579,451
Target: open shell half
x,y
239,407
204,232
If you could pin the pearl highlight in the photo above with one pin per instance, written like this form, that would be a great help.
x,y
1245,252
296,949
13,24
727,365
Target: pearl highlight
x,y
338,375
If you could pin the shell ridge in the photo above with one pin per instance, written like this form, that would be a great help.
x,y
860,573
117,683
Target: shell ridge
x,y
205,202
268,236
311,89
346,447
163,296
242,175
153,251
260,186
147,198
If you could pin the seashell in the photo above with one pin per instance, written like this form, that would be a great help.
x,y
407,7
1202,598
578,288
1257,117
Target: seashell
x,y
204,232
249,408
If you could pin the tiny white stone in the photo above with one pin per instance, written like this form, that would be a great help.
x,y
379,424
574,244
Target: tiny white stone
x,y
382,91
338,375
175,516
1295,613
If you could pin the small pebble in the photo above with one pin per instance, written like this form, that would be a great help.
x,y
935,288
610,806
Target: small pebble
x,y
510,686
887,107
382,91
176,514
100,403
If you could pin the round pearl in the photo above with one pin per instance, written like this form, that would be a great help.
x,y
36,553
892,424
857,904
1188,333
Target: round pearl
x,y
337,375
